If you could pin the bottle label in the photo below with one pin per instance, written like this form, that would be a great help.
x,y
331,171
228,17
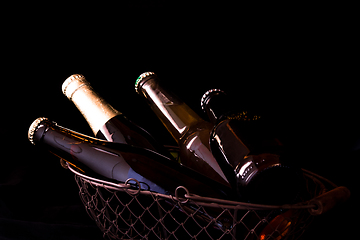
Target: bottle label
x,y
165,100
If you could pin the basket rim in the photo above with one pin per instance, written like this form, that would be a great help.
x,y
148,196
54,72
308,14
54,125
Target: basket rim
x,y
200,200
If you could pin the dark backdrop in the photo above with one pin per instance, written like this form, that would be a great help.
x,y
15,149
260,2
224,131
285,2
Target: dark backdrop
x,y
293,64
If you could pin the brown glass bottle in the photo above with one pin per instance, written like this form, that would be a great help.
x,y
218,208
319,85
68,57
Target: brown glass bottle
x,y
243,142
105,121
263,173
118,162
187,128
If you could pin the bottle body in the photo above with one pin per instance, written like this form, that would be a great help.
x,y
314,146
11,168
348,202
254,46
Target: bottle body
x,y
240,140
187,128
118,161
106,122
122,130
89,155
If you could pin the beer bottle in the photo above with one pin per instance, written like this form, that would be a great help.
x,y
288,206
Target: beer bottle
x,y
263,173
186,127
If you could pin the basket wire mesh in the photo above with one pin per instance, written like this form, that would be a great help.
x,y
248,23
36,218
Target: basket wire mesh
x,y
124,211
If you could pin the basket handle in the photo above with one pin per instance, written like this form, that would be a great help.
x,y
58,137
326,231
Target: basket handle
x,y
328,200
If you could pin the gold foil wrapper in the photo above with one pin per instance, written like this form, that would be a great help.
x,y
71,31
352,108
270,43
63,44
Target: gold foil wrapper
x,y
95,109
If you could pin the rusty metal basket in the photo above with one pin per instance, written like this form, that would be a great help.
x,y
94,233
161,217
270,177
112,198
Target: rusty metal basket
x,y
123,211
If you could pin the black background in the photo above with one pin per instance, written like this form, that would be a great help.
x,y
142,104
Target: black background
x,y
295,65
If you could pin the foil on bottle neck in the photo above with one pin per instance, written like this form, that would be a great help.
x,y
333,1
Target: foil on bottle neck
x,y
72,84
94,108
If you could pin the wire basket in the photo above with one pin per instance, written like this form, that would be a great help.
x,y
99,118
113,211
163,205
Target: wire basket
x,y
123,211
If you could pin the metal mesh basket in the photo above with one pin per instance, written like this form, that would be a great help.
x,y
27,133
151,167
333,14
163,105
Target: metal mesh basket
x,y
123,211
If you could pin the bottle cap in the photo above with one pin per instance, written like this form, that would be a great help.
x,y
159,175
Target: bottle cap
x,y
141,77
33,128
205,97
72,84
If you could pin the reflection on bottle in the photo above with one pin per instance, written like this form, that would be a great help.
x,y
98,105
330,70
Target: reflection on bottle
x,y
195,146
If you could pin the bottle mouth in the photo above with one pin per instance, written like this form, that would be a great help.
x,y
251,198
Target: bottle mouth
x,y
141,78
33,128
72,84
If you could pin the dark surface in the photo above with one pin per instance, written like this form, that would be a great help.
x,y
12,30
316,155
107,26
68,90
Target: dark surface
x,y
294,66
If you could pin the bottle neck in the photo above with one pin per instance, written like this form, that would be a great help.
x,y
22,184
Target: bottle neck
x,y
94,108
219,106
177,117
215,103
60,139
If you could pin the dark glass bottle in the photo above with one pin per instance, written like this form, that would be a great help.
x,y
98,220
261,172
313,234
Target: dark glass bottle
x,y
105,121
187,128
118,162
244,144
241,141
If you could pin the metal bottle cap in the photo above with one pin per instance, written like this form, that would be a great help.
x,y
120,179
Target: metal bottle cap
x,y
206,95
141,77
33,128
72,84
